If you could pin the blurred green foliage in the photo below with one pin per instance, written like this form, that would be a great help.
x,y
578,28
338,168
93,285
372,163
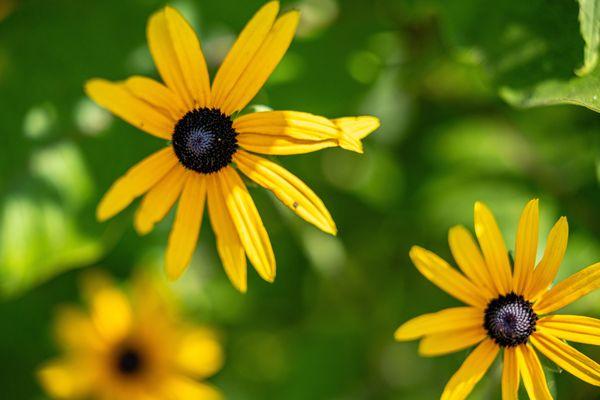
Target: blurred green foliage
x,y
438,73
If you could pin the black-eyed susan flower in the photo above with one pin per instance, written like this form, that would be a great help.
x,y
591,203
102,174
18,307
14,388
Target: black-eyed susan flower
x,y
508,307
210,142
130,347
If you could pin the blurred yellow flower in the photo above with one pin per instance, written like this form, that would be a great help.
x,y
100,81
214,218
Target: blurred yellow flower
x,y
130,347
207,135
506,307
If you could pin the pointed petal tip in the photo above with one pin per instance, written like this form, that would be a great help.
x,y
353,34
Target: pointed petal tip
x,y
91,85
242,289
415,249
172,276
174,272
479,206
399,334
101,215
270,278
142,229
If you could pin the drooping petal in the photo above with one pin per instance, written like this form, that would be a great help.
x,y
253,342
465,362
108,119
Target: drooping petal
x,y
243,51
532,373
185,231
445,277
262,64
281,145
556,246
178,57
471,371
288,188
229,246
248,223
110,309
117,99
449,342
493,248
354,129
443,321
199,354
567,357
181,388
137,181
159,200
569,290
526,246
293,132
157,95
65,380
510,375
469,259
574,328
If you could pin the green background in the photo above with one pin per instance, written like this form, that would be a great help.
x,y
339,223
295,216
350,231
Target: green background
x,y
449,83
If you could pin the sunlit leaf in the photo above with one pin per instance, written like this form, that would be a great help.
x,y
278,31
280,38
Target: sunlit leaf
x,y
589,18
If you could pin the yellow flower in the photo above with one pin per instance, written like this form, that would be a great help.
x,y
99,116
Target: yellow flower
x,y
507,308
208,138
130,347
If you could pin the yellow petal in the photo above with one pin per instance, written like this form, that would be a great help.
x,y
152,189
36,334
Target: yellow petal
x,y
567,357
159,200
469,259
110,309
445,277
294,124
556,246
248,223
526,246
182,388
471,371
178,57
229,246
510,375
263,63
137,181
116,98
532,373
313,132
157,95
288,188
199,354
354,129
450,342
74,330
64,380
446,320
493,248
186,228
281,145
243,51
574,328
569,290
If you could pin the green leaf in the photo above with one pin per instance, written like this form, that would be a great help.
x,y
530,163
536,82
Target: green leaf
x,y
530,56
580,91
589,13
42,221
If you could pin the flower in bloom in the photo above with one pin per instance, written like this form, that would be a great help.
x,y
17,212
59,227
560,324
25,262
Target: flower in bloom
x,y
130,347
508,307
210,142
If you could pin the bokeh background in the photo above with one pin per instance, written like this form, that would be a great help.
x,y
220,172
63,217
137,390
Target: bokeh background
x,y
451,81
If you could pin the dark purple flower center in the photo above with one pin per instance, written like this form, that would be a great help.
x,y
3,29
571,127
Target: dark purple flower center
x,y
510,320
204,140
